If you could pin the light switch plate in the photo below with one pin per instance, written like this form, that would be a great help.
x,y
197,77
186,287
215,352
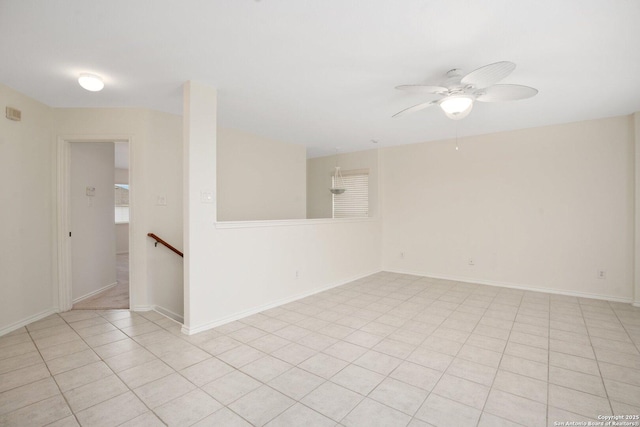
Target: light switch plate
x,y
91,191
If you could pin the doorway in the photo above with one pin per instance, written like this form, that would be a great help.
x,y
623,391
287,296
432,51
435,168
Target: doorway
x,y
94,224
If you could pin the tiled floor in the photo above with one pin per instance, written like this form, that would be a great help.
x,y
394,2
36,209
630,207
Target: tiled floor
x,y
386,350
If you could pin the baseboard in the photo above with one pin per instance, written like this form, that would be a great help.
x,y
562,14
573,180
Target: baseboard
x,y
24,322
636,304
89,295
218,322
168,313
515,286
142,308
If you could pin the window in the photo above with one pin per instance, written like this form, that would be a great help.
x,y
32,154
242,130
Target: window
x,y
121,203
354,202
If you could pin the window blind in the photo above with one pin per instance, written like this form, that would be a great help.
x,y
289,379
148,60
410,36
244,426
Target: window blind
x,y
354,202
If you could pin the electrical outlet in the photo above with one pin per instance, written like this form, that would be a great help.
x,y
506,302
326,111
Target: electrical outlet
x,y
297,274
471,261
602,274
402,255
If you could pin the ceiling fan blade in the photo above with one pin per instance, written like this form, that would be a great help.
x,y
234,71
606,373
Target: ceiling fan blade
x,y
497,93
439,90
489,74
415,108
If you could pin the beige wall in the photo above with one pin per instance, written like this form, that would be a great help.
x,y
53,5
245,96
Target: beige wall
x,y
258,178
544,208
319,176
156,169
26,224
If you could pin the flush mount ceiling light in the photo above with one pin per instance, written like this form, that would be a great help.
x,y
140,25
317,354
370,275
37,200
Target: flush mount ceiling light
x,y
457,93
91,82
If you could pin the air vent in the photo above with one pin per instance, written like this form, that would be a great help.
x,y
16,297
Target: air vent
x,y
14,114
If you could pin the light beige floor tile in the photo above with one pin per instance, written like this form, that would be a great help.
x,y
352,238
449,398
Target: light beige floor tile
x,y
521,385
84,375
345,351
622,392
23,376
623,408
41,413
472,371
582,350
332,400
578,402
294,353
357,379
112,412
620,373
370,413
575,363
269,343
96,330
480,355
26,395
72,361
442,412
261,405
130,359
296,383
569,337
487,343
300,415
49,332
223,417
88,322
461,390
442,345
323,365
491,331
145,373
577,380
188,408
394,348
115,348
529,339
18,349
515,408
69,421
399,395
266,369
317,341
231,387
64,349
148,419
105,338
527,352
430,359
206,371
246,334
525,367
556,416
240,356
489,420
533,328
21,361
617,358
416,375
378,362
163,390
184,358
95,392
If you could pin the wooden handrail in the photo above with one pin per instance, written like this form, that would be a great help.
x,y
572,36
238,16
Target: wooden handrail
x,y
162,242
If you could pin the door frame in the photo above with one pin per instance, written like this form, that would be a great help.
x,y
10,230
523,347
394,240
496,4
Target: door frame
x,y
63,248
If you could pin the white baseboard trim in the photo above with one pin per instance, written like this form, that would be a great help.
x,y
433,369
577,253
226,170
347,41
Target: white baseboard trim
x,y
142,308
89,295
24,322
515,286
168,313
245,313
636,304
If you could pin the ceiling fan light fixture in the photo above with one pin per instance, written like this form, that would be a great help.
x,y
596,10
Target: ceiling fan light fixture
x,y
91,82
457,107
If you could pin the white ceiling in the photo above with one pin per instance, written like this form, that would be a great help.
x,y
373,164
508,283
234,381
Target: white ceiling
x,y
322,73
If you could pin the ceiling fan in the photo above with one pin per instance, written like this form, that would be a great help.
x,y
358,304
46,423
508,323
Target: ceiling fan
x,y
457,93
